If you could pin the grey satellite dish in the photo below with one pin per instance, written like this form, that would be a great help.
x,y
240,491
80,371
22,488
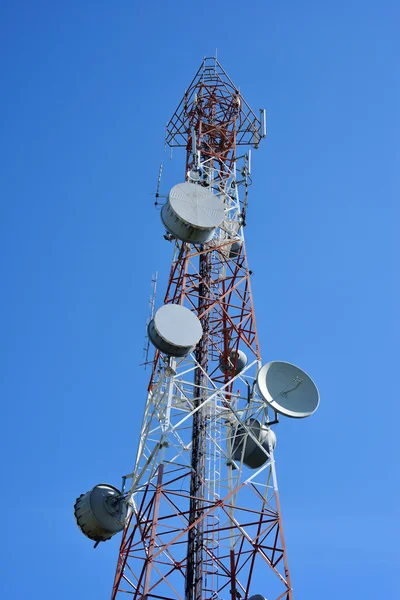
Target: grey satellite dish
x,y
175,330
101,513
288,389
257,597
235,356
244,445
192,213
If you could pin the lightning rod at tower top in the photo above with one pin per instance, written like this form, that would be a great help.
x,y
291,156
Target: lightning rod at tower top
x,y
199,511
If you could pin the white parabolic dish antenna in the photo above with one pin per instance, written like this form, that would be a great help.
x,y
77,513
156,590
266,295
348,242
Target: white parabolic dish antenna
x,y
288,389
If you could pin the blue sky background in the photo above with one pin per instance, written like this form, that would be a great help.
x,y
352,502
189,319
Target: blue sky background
x,y
86,89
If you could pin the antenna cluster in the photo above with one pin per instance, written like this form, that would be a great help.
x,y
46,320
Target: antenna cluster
x,y
200,511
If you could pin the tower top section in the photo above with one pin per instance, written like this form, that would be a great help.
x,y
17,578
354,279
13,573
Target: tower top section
x,y
213,106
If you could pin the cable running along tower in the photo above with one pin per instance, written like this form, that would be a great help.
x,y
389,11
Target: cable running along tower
x,y
200,513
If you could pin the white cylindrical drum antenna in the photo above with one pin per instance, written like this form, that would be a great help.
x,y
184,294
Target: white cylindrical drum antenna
x,y
244,447
175,330
192,213
263,119
101,512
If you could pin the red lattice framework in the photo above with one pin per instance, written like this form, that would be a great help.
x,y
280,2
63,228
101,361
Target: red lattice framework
x,y
184,541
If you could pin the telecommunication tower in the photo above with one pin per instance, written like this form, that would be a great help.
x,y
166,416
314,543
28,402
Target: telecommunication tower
x,y
200,511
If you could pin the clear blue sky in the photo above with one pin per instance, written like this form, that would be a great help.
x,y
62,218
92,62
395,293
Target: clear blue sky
x,y
86,89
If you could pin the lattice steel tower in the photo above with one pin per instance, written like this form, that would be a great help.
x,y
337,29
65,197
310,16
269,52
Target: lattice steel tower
x,y
200,512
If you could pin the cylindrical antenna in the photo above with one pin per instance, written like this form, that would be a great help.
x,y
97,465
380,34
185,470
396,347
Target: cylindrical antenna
x,y
159,181
194,144
263,119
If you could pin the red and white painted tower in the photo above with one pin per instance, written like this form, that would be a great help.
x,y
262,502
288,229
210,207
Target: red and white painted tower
x,y
200,511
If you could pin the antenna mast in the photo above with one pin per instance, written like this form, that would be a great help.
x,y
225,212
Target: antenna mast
x,y
200,511
152,304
